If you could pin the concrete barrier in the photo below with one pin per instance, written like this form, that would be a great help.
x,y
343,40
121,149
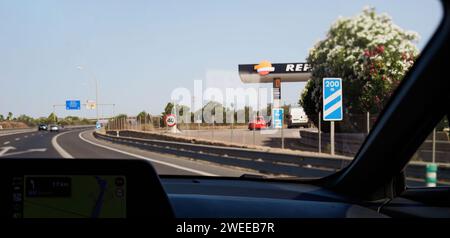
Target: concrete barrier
x,y
345,143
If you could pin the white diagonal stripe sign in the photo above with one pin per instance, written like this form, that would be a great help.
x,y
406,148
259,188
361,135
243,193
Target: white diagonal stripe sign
x,y
333,96
332,99
332,109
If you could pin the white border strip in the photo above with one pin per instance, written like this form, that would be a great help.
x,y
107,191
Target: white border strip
x,y
59,149
143,157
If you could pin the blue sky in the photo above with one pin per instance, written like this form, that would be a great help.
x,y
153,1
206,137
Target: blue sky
x,y
141,50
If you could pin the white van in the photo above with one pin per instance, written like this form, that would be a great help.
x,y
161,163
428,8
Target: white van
x,y
297,118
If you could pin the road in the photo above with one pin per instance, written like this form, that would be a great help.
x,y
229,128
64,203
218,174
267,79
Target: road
x,y
79,143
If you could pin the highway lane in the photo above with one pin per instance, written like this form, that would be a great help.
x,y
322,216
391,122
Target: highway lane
x,y
79,143
82,144
34,144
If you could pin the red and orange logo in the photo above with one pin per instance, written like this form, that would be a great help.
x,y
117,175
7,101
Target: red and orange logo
x,y
264,68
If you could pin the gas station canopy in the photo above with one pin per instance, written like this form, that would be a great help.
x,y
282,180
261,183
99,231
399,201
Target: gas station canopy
x,y
266,72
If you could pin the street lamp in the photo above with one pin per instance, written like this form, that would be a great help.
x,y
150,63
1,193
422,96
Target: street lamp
x,y
96,88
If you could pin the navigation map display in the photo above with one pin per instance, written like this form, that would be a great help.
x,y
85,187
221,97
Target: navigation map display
x,y
74,196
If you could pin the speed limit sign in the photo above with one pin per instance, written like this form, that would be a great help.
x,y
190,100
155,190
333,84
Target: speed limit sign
x,y
171,120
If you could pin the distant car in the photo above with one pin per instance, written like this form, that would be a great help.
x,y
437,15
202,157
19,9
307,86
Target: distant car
x,y
257,124
42,127
53,128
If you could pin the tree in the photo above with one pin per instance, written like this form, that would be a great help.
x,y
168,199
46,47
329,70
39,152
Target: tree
x,y
10,116
286,111
121,116
74,120
52,118
27,120
370,53
144,116
168,109
2,118
269,109
182,110
215,110
248,111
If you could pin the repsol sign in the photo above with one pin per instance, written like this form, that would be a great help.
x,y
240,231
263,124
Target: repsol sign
x,y
265,68
297,67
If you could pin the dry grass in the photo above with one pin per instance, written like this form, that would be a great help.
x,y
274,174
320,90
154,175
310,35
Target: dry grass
x,y
12,125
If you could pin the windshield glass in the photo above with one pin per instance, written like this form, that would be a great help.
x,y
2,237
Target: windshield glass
x,y
276,89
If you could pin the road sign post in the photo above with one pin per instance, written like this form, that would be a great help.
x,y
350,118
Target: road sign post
x,y
212,131
332,104
433,153
431,175
90,105
277,122
368,122
171,122
332,138
277,114
320,132
282,137
254,129
431,169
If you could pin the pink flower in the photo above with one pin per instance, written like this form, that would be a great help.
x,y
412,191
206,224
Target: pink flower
x,y
366,53
404,56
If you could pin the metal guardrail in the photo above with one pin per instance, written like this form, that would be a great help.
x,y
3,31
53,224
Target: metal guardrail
x,y
261,161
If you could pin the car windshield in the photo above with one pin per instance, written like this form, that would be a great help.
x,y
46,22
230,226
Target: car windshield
x,y
286,89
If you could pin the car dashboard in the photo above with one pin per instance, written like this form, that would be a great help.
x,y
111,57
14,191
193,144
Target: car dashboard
x,y
240,198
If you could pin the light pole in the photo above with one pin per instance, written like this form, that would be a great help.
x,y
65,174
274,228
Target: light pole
x,y
96,88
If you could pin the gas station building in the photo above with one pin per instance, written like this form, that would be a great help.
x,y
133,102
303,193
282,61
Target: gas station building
x,y
266,72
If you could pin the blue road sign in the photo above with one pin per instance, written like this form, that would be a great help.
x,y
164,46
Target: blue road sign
x,y
332,99
98,125
73,105
277,117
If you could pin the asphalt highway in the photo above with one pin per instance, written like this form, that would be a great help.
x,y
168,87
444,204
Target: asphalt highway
x,y
79,143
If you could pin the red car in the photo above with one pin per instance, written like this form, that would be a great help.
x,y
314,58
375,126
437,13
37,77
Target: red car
x,y
259,124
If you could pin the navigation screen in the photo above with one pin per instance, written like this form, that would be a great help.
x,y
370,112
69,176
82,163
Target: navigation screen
x,y
74,196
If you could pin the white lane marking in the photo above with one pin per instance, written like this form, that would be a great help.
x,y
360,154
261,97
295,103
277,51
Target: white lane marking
x,y
25,136
6,149
32,134
6,142
26,151
143,157
17,139
58,148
